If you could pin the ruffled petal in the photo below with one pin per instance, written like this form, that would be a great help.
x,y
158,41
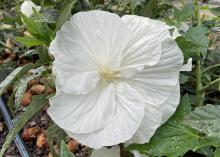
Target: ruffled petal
x,y
155,117
128,116
94,38
144,45
169,107
152,120
84,113
81,83
106,152
157,82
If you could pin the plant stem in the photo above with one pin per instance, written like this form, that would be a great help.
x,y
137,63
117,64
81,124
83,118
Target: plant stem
x,y
198,70
211,67
210,84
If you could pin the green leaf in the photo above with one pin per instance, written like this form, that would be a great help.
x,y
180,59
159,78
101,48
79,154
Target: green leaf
x,y
51,133
22,84
38,102
9,80
6,69
16,74
43,55
174,138
184,13
38,29
205,119
150,9
216,11
217,152
135,3
194,40
64,152
65,12
30,41
57,134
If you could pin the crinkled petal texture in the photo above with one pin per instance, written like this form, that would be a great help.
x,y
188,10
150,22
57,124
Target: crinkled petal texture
x,y
116,78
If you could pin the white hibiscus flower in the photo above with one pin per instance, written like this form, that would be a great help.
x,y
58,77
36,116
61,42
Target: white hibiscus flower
x,y
116,78
27,8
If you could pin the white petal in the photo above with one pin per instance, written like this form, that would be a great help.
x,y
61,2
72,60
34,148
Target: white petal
x,y
144,45
155,117
175,33
169,107
27,8
188,66
124,124
81,83
157,82
94,38
106,152
71,78
152,120
84,113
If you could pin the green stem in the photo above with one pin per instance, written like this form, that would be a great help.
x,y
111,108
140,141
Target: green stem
x,y
198,70
210,84
211,67
123,153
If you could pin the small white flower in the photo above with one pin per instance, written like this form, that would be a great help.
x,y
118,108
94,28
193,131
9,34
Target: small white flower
x,y
116,78
27,8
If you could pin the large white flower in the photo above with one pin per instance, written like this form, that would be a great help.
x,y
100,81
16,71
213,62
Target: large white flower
x,y
27,8
116,78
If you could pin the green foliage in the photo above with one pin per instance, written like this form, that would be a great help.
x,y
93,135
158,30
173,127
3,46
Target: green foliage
x,y
36,105
65,12
205,119
217,152
30,41
216,11
39,30
43,55
9,80
54,132
184,13
5,70
194,40
174,138
64,152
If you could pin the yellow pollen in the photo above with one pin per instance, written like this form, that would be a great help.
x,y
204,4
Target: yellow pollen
x,y
108,74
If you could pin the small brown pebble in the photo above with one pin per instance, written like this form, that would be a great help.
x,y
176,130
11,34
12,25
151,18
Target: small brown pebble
x,y
30,133
49,154
38,89
49,90
41,140
26,100
32,83
43,80
72,145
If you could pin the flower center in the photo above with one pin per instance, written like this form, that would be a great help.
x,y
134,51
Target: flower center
x,y
108,74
